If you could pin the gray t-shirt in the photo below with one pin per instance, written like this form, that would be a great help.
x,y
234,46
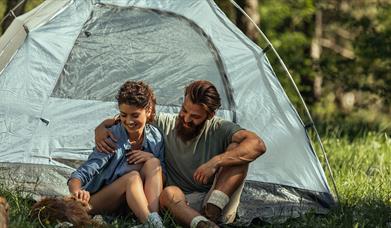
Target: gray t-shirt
x,y
183,158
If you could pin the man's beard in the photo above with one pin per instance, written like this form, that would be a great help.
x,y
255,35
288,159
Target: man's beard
x,y
187,133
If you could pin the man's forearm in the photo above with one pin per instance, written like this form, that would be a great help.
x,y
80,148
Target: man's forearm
x,y
107,123
244,153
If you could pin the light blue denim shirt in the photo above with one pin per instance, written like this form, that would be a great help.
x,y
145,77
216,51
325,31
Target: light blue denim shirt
x,y
103,169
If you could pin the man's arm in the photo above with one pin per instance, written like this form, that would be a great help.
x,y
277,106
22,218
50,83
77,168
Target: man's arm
x,y
104,138
249,147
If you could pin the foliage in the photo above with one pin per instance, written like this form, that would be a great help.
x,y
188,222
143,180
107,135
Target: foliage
x,y
362,28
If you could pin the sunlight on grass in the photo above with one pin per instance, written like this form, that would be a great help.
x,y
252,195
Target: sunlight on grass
x,y
362,170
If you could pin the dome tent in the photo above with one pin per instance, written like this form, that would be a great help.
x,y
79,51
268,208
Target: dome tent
x,y
62,63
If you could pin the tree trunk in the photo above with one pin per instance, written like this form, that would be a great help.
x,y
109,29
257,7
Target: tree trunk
x,y
243,23
18,11
316,51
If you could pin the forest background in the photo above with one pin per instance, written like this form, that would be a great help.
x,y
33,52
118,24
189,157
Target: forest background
x,y
337,51
339,54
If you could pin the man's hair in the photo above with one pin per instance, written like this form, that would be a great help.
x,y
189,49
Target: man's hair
x,y
204,93
139,94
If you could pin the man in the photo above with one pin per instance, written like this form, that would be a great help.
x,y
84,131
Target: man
x,y
206,157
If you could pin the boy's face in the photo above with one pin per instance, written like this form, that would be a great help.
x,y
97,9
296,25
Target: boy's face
x,y
133,118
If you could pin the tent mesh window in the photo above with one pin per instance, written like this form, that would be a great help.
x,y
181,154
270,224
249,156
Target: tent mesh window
x,y
128,43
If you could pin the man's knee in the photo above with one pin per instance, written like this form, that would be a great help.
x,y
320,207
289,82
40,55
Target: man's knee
x,y
171,195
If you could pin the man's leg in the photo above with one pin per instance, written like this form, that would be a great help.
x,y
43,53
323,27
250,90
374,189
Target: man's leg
x,y
227,181
173,199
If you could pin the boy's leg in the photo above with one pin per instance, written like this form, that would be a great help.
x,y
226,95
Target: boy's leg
x,y
151,173
129,187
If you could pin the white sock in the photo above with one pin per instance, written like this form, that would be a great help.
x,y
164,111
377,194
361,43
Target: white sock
x,y
218,198
196,220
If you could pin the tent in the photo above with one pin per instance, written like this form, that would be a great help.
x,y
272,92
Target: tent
x,y
62,63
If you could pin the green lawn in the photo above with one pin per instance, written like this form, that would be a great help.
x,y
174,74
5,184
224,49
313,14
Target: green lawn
x,y
362,171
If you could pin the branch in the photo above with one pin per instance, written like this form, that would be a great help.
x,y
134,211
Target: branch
x,y
330,44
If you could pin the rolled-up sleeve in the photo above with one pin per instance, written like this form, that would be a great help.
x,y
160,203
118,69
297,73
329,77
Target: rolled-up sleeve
x,y
96,161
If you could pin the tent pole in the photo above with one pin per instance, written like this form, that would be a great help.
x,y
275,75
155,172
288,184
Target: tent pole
x,y
297,91
11,12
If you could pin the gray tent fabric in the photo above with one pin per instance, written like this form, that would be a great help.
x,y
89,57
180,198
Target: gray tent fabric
x,y
61,64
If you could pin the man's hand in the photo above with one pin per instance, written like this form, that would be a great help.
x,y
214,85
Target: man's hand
x,y
203,173
82,195
138,156
104,140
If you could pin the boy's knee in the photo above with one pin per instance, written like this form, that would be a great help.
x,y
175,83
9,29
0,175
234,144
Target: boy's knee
x,y
152,163
132,176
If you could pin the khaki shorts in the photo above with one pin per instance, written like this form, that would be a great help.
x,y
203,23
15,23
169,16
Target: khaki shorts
x,y
198,200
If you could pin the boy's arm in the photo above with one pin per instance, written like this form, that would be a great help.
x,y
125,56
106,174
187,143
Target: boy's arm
x,y
84,174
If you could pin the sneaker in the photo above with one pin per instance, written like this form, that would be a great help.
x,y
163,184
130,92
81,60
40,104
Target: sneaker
x,y
154,221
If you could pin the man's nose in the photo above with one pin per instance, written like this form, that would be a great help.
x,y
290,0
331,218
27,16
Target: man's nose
x,y
187,119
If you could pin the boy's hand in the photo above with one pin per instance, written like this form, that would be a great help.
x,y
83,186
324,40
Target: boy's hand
x,y
138,156
82,195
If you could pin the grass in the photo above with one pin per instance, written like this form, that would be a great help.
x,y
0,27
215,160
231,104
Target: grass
x,y
362,171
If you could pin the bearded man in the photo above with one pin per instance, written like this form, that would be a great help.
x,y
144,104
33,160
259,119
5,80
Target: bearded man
x,y
206,157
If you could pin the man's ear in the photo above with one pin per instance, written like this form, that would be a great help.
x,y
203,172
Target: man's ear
x,y
211,115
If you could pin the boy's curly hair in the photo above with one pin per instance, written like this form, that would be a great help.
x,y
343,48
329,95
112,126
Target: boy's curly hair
x,y
139,94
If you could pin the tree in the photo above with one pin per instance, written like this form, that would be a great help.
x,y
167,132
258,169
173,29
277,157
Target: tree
x,y
243,23
238,18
